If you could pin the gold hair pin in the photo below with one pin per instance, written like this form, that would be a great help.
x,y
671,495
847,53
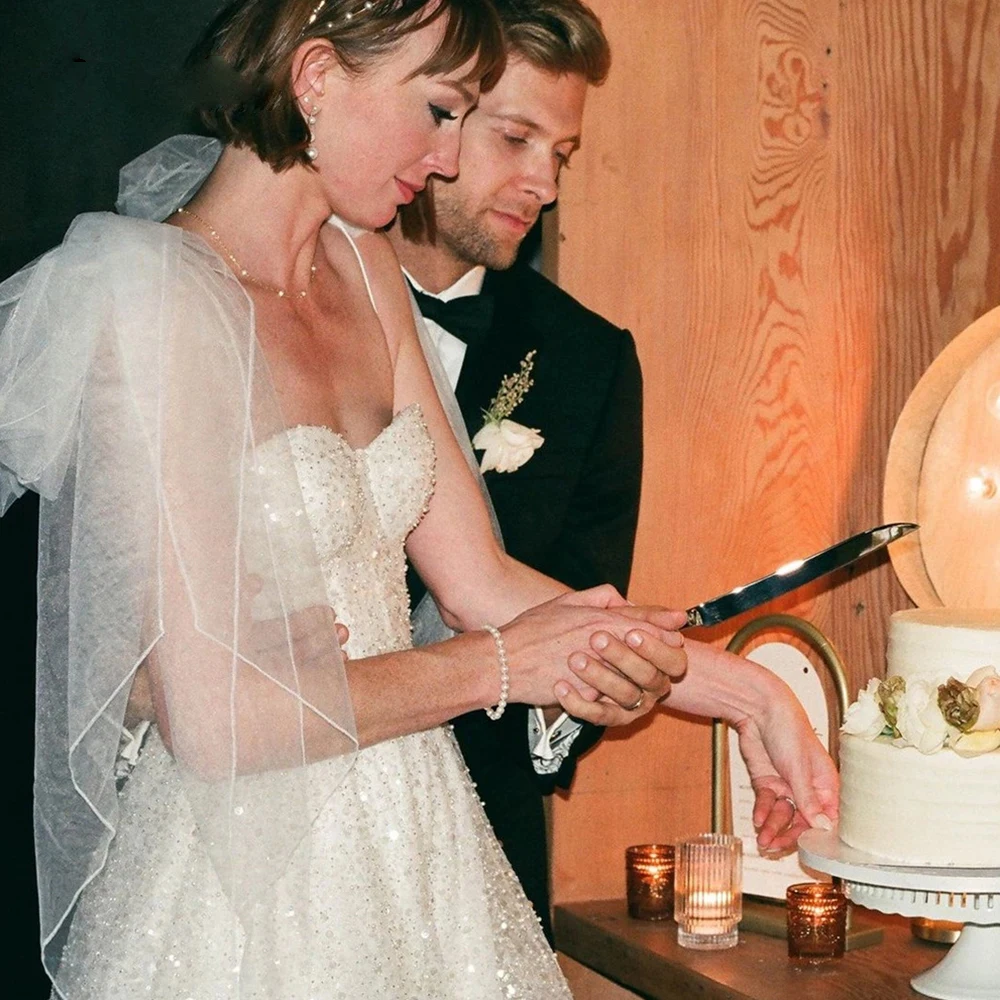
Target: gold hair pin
x,y
348,16
315,13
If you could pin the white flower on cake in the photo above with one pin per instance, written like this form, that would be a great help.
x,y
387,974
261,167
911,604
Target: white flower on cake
x,y
974,744
987,684
962,716
980,675
864,717
507,445
919,720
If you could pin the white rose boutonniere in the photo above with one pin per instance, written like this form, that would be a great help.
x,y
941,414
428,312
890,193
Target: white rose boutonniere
x,y
506,444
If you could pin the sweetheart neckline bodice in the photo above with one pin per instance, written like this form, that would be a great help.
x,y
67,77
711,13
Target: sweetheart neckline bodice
x,y
398,416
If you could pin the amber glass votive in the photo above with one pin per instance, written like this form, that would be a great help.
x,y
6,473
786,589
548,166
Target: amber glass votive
x,y
649,881
708,891
817,921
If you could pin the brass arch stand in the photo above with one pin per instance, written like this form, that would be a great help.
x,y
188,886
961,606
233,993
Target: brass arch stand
x,y
826,652
768,916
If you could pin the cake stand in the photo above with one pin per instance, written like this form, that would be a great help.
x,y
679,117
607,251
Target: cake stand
x,y
970,896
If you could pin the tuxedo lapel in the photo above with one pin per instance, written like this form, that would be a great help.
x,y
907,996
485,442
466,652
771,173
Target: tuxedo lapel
x,y
511,337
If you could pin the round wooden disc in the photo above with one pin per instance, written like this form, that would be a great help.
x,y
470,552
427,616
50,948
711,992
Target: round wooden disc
x,y
958,497
909,441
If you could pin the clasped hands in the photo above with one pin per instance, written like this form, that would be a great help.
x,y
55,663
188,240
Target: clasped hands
x,y
622,659
634,657
601,659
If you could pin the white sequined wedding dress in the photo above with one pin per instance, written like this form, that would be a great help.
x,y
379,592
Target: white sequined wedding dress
x,y
413,898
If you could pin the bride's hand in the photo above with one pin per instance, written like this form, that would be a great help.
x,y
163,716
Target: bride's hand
x,y
794,780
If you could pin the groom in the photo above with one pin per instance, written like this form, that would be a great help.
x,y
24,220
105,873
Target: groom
x,y
565,477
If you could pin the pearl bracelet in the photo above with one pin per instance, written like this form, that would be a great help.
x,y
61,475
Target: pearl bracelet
x,y
495,713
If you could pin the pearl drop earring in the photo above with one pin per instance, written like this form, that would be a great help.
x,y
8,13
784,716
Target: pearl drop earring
x,y
310,115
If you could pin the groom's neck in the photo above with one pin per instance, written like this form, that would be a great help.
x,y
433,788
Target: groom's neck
x,y
433,266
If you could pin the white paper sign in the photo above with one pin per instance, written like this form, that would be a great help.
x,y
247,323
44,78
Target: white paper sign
x,y
764,876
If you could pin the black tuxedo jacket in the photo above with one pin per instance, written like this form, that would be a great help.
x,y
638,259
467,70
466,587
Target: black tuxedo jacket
x,y
570,511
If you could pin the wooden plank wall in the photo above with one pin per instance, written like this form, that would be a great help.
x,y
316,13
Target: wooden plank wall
x,y
794,205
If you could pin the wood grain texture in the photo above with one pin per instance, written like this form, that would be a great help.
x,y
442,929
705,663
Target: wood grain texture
x,y
585,984
647,958
794,205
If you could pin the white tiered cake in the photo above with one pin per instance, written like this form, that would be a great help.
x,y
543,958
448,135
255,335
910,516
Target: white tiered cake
x,y
926,806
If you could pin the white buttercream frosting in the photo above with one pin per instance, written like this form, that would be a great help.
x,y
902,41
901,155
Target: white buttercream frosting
x,y
934,644
930,808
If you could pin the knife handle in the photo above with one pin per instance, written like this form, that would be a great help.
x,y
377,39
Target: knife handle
x,y
694,618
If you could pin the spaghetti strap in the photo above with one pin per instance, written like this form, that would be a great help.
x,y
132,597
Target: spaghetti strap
x,y
351,232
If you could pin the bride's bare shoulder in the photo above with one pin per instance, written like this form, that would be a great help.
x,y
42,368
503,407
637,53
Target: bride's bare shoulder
x,y
388,287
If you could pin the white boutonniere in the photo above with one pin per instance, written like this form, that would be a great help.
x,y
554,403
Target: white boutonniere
x,y
506,444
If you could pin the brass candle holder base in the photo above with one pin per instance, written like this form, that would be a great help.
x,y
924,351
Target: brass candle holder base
x,y
938,931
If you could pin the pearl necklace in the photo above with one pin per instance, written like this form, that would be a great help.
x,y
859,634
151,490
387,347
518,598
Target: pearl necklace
x,y
243,273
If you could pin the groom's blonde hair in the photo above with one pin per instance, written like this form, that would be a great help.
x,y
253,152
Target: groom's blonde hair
x,y
558,36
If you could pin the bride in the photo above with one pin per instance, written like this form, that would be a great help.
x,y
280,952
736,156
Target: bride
x,y
234,431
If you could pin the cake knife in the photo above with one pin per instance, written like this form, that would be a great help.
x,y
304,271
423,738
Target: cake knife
x,y
794,574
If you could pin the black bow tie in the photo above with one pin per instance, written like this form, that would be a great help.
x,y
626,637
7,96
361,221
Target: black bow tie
x,y
468,317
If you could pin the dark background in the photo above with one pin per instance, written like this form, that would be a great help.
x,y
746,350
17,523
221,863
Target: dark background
x,y
86,86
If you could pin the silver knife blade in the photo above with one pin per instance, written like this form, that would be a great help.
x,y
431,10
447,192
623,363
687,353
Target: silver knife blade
x,y
794,574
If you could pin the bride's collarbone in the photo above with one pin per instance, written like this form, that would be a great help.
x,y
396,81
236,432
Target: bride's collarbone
x,y
314,331
344,382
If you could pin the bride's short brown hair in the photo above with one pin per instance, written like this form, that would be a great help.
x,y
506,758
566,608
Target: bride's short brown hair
x,y
241,66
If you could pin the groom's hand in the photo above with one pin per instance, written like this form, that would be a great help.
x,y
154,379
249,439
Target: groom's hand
x,y
269,635
630,677
606,596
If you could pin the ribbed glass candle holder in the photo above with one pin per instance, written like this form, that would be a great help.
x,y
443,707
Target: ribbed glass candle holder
x,y
649,881
817,922
708,891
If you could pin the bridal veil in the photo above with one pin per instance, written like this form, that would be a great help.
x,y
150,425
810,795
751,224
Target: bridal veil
x,y
135,400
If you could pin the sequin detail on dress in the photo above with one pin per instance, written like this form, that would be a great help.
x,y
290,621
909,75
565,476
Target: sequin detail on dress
x,y
411,897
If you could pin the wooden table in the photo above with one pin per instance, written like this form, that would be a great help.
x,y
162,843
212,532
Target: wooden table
x,y
645,957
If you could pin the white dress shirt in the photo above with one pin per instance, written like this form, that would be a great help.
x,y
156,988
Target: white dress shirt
x,y
549,744
450,349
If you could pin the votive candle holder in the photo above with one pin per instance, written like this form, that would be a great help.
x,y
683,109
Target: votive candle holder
x,y
817,922
708,891
649,881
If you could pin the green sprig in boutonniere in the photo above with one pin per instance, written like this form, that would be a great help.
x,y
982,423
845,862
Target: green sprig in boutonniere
x,y
507,445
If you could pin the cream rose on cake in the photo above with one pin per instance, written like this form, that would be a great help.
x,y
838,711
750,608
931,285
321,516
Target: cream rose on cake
x,y
919,720
864,717
986,681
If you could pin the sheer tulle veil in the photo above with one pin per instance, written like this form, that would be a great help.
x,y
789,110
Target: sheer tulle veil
x,y
135,401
